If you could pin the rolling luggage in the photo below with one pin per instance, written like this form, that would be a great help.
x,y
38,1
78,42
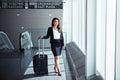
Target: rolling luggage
x,y
40,62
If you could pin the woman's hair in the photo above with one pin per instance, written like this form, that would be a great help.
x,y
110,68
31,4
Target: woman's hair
x,y
59,28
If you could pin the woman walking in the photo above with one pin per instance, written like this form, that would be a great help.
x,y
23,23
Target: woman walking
x,y
56,41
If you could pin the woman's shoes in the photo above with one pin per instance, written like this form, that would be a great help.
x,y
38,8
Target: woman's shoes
x,y
59,74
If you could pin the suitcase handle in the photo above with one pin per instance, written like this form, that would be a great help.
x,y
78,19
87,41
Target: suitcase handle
x,y
42,45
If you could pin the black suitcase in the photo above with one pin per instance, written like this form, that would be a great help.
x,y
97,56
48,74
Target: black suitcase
x,y
40,62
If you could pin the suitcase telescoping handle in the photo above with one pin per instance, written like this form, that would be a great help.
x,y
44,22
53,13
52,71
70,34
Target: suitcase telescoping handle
x,y
42,46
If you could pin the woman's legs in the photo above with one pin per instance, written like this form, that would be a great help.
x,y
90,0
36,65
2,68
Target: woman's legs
x,y
56,52
57,66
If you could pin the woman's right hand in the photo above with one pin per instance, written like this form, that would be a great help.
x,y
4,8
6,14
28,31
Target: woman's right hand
x,y
40,37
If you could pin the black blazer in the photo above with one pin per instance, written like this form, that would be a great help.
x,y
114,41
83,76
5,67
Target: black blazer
x,y
50,34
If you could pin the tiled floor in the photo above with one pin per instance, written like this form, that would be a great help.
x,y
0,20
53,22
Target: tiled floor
x,y
29,74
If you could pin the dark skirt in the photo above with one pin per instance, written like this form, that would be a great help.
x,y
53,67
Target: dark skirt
x,y
56,47
56,51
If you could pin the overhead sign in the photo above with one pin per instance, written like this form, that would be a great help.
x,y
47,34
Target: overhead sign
x,y
46,5
13,4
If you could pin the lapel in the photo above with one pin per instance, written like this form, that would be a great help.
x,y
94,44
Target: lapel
x,y
51,33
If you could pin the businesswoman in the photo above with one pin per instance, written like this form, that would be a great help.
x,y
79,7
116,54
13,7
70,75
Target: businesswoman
x,y
56,41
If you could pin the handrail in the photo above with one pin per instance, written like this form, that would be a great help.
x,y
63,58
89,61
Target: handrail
x,y
6,40
74,54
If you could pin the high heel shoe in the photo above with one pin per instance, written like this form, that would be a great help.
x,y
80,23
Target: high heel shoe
x,y
59,74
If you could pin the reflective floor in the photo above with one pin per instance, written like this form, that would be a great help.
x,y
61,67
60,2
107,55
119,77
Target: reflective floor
x,y
29,74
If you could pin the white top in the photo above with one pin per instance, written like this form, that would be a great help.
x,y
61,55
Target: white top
x,y
56,34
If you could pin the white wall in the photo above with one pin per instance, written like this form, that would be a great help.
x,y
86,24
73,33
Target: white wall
x,y
83,26
117,68
100,37
67,19
75,21
91,37
110,39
